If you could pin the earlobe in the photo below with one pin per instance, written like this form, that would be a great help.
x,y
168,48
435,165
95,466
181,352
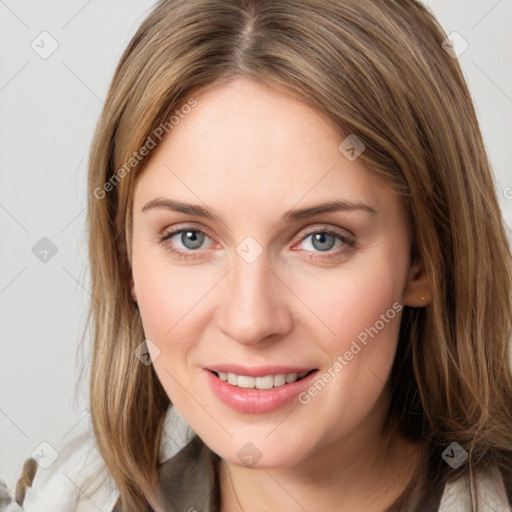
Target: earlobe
x,y
418,290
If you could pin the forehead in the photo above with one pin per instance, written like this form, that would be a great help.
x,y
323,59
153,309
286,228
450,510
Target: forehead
x,y
252,123
251,145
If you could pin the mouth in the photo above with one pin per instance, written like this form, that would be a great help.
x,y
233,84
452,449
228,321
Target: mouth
x,y
263,391
272,380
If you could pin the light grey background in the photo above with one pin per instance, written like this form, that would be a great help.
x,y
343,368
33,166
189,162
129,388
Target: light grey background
x,y
49,108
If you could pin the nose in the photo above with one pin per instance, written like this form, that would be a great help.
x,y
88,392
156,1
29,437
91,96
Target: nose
x,y
255,305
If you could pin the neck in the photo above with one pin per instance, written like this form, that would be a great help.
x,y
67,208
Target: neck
x,y
369,475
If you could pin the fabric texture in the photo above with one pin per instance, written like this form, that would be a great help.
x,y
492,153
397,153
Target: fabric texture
x,y
79,481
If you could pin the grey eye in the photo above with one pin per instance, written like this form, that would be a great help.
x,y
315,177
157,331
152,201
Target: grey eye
x,y
192,239
323,241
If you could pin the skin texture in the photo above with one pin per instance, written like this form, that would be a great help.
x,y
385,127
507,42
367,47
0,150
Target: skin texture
x,y
250,153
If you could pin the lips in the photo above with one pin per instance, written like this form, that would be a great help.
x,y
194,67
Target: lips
x,y
248,389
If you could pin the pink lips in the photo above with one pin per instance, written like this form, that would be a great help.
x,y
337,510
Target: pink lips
x,y
255,401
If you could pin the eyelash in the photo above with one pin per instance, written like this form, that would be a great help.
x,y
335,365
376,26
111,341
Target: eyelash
x,y
347,241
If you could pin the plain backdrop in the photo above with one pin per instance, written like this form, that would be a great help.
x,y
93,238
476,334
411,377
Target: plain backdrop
x,y
49,106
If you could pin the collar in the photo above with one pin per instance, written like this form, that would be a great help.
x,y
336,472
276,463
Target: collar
x,y
189,480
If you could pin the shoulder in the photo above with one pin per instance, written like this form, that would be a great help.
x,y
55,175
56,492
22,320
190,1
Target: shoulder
x,y
491,490
79,480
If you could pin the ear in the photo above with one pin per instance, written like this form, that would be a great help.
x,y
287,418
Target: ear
x,y
132,289
418,290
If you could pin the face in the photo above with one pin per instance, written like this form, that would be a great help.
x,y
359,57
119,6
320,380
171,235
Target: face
x,y
273,325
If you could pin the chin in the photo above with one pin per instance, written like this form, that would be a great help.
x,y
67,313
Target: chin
x,y
262,452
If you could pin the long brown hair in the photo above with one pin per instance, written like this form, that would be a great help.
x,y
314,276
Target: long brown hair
x,y
377,70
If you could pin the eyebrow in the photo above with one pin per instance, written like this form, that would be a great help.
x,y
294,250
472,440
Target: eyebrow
x,y
289,216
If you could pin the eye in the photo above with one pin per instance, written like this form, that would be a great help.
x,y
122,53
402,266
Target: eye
x,y
323,241
190,239
188,242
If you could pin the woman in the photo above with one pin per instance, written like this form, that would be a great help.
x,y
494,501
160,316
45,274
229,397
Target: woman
x,y
295,241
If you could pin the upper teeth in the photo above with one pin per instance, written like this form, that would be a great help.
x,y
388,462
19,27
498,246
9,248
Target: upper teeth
x,y
267,382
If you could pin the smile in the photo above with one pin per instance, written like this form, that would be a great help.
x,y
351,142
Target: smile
x,y
267,390
266,382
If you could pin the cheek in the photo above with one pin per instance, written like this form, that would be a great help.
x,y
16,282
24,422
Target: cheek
x,y
360,307
351,300
358,332
170,299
